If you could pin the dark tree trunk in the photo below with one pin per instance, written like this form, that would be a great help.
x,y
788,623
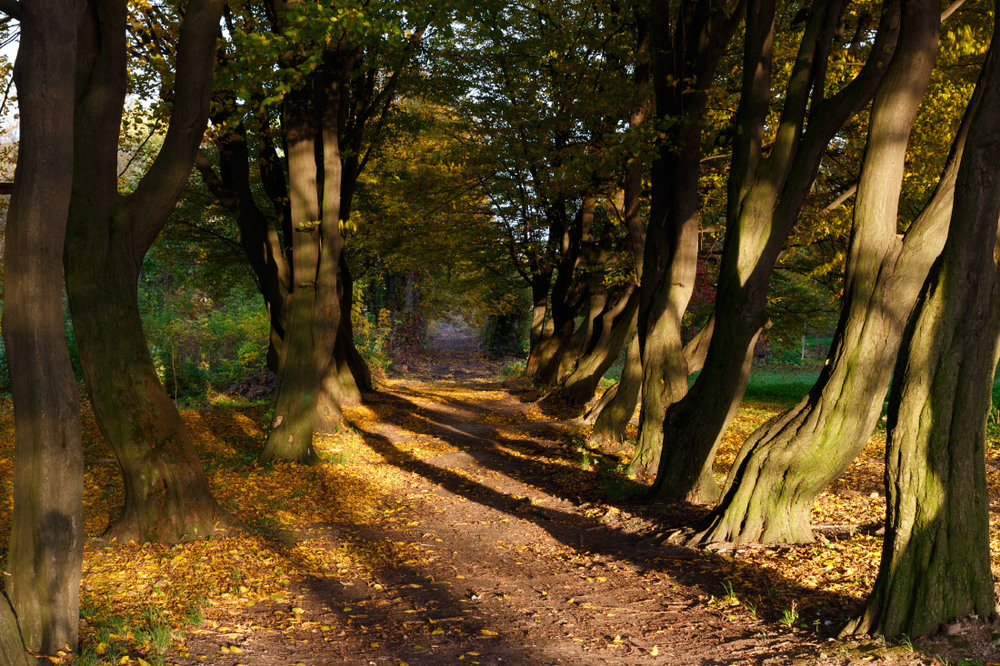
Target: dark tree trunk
x,y
765,196
167,497
44,561
936,554
686,48
556,293
541,282
788,461
347,378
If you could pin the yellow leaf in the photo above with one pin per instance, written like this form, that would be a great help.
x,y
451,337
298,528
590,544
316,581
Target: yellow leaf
x,y
488,632
298,611
101,648
655,651
236,650
123,660
143,662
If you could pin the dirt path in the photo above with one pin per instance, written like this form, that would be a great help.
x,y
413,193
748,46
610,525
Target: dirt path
x,y
500,556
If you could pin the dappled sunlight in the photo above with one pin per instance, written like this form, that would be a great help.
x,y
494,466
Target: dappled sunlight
x,y
437,490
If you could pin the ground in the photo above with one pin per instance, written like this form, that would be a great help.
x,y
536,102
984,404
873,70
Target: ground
x,y
459,522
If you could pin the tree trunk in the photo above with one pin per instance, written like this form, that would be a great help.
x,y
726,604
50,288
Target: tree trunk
x,y
45,557
936,554
348,380
315,312
12,650
545,359
616,407
687,51
617,323
167,497
788,461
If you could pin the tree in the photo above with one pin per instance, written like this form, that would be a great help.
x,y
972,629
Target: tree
x,y
341,71
936,556
686,49
46,547
788,461
109,233
766,191
549,84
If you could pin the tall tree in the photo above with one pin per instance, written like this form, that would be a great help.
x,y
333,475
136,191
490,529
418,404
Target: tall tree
x,y
686,48
167,497
327,106
46,546
344,68
788,461
766,191
936,554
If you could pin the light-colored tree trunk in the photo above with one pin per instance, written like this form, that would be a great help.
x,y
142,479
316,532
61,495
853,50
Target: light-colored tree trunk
x,y
936,554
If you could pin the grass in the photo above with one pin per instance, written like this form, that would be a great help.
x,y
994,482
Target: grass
x,y
784,385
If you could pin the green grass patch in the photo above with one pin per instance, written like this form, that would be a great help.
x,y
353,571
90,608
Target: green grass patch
x,y
784,386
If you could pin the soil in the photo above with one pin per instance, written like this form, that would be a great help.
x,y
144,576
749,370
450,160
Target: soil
x,y
515,565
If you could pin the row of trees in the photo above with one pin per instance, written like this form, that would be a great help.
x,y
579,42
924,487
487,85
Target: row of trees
x,y
589,143
603,224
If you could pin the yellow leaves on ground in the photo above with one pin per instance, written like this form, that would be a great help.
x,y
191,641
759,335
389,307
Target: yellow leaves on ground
x,y
145,588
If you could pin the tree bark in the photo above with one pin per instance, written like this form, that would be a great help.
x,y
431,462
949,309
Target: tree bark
x,y
615,408
167,497
685,57
617,323
936,555
46,543
611,415
314,314
765,196
788,461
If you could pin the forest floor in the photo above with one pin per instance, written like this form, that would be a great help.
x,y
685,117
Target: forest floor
x,y
461,521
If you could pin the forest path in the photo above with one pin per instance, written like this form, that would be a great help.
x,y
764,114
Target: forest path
x,y
493,550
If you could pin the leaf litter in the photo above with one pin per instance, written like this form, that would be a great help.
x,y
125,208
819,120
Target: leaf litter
x,y
463,522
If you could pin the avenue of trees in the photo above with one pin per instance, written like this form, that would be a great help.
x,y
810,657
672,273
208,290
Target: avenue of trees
x,y
661,183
